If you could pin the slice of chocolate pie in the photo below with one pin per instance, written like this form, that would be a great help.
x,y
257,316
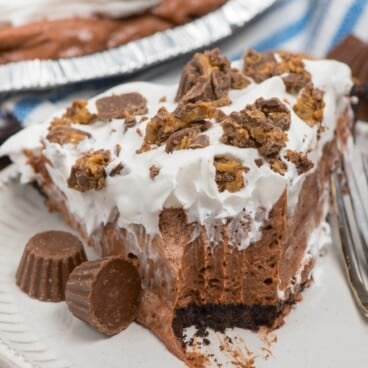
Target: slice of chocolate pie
x,y
216,188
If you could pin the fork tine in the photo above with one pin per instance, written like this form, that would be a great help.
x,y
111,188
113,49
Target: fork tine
x,y
365,164
357,181
350,239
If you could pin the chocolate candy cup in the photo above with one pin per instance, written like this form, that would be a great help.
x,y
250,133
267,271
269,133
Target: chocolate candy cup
x,y
354,52
47,261
105,294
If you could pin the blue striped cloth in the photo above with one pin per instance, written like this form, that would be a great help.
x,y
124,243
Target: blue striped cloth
x,y
313,26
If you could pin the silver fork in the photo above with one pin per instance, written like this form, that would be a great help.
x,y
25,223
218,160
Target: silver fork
x,y
349,189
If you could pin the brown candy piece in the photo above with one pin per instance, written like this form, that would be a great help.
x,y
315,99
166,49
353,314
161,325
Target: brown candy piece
x,y
47,261
354,52
116,106
8,126
361,91
105,293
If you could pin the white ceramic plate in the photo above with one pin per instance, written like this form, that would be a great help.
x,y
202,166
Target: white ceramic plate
x,y
325,330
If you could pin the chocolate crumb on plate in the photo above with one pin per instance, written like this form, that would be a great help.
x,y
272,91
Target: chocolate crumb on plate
x,y
105,293
47,261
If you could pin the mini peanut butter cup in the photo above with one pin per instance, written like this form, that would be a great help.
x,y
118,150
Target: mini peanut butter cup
x,y
47,261
105,294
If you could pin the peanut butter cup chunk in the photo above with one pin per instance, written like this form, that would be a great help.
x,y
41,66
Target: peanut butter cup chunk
x,y
261,125
63,134
207,77
260,66
120,106
89,171
300,160
78,113
165,123
229,174
105,294
309,106
47,261
61,130
278,166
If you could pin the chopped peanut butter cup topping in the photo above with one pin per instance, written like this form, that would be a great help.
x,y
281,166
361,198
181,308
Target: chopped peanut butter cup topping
x,y
275,111
238,79
260,126
300,160
89,171
209,77
61,131
297,76
309,106
278,166
229,174
78,113
205,78
63,134
164,124
126,106
294,82
261,66
187,138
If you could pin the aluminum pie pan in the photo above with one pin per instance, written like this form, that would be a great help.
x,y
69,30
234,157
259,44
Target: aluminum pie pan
x,y
134,56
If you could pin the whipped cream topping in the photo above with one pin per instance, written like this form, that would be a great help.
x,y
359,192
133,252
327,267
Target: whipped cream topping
x,y
18,12
187,177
